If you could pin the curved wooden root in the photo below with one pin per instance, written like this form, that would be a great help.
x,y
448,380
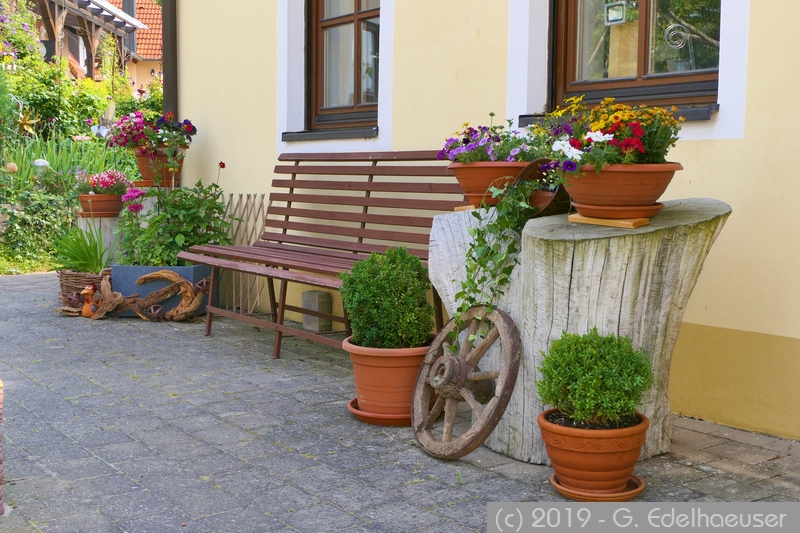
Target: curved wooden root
x,y
114,302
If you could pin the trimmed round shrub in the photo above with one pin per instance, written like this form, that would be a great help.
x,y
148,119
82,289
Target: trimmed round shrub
x,y
594,379
385,297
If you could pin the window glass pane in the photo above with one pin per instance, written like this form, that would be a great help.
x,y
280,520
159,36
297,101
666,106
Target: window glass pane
x,y
336,8
370,30
608,34
338,65
370,4
684,35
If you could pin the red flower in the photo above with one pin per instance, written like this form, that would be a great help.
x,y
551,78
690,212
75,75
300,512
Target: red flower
x,y
636,129
614,127
169,115
221,164
575,143
628,145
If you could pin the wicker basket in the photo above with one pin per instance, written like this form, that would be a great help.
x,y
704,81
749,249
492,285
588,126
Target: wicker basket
x,y
72,282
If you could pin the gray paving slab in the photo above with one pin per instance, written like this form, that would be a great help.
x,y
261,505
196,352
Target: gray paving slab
x,y
126,426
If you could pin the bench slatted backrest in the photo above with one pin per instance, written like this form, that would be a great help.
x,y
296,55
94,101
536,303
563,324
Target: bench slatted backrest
x,y
357,203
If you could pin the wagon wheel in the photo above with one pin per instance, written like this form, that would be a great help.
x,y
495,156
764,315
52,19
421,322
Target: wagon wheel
x,y
455,377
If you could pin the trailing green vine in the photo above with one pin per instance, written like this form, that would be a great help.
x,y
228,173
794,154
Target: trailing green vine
x,y
494,250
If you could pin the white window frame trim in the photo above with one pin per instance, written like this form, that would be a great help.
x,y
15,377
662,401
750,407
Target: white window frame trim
x,y
291,90
528,70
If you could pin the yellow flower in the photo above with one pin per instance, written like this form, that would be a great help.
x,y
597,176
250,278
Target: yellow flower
x,y
616,117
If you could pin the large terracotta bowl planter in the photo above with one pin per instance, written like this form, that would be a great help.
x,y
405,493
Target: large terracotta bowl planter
x,y
628,190
100,205
476,178
593,461
155,165
385,380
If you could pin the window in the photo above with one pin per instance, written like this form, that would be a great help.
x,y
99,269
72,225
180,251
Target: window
x,y
343,63
662,52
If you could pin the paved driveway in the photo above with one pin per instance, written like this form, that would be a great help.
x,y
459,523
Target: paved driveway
x,y
123,425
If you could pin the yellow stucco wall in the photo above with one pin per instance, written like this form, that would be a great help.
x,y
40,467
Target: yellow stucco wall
x,y
226,70
737,361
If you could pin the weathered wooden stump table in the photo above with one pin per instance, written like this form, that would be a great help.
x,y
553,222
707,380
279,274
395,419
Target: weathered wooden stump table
x,y
572,277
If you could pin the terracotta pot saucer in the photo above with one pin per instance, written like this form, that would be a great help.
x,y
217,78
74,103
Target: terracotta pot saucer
x,y
634,487
606,211
377,418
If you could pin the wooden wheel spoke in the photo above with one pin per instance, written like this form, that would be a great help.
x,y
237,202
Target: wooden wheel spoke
x,y
479,351
466,344
477,409
450,410
478,376
434,414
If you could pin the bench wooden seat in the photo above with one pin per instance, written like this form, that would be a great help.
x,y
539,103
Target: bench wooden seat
x,y
327,211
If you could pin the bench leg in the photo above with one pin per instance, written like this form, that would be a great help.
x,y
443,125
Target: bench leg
x,y
209,314
273,306
276,353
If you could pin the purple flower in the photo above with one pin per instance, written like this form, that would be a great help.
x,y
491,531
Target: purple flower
x,y
510,159
552,165
471,146
132,194
89,122
25,27
135,208
514,151
569,166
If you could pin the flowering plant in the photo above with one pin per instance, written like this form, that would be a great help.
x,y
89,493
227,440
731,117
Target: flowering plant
x,y
131,131
182,217
607,134
170,132
490,143
108,182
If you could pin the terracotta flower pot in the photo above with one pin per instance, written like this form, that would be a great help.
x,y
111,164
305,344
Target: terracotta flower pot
x,y
593,461
154,166
476,178
628,190
385,379
100,205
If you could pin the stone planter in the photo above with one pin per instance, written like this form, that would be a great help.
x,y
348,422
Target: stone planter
x,y
123,280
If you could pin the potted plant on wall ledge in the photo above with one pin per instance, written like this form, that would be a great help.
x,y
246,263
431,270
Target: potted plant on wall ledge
x,y
159,147
100,195
612,157
385,297
593,434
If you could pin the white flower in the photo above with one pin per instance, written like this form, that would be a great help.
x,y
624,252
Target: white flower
x,y
598,136
565,148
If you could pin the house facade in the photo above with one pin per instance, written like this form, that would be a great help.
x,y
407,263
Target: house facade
x,y
263,78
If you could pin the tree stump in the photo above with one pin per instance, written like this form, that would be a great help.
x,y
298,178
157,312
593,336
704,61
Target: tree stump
x,y
572,277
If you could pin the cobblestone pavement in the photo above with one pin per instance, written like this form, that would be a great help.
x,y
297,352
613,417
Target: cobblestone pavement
x,y
123,425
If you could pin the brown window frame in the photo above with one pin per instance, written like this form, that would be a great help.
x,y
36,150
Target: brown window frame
x,y
683,90
357,116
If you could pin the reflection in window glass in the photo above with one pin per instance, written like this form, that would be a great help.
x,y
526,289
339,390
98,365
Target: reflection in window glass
x,y
336,8
370,4
608,35
684,35
338,66
370,30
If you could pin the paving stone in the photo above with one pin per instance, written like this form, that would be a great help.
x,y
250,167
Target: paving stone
x,y
133,504
696,425
742,452
744,437
82,523
80,469
687,438
207,502
242,521
730,489
356,497
316,478
320,517
33,488
404,516
168,522
102,486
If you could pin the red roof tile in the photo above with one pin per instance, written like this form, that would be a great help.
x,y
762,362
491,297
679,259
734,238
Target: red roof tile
x,y
148,42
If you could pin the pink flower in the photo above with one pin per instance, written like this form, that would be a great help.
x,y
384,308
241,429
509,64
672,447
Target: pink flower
x,y
135,208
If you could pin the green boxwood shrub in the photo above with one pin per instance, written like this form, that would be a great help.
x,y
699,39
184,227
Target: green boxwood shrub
x,y
385,297
594,379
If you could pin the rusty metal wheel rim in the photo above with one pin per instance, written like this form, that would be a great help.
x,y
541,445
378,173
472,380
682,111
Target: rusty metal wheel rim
x,y
457,377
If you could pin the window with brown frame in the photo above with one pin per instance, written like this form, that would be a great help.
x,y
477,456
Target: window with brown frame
x,y
343,63
660,52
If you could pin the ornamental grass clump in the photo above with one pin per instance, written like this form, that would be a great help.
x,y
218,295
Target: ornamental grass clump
x,y
385,297
596,381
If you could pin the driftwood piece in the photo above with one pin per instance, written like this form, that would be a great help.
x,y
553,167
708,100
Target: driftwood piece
x,y
572,277
114,302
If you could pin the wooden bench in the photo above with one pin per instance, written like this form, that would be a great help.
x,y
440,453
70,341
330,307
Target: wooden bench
x,y
327,211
